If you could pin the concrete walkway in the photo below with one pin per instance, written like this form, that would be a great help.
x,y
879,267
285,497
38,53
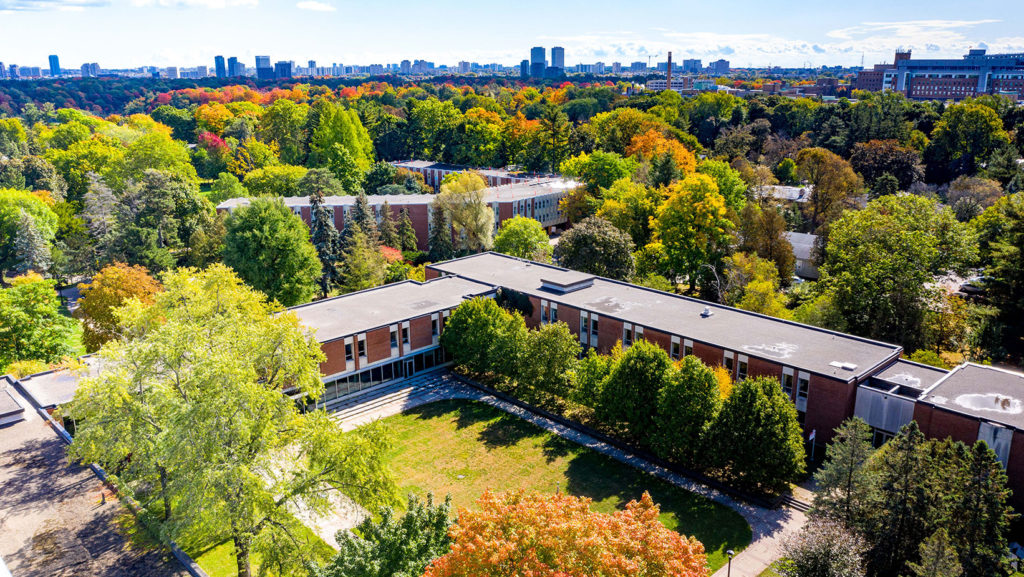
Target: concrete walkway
x,y
769,526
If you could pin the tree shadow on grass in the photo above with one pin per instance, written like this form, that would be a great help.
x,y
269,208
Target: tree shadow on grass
x,y
599,477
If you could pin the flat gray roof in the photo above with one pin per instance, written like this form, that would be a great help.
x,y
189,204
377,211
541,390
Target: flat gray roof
x,y
988,393
57,387
910,374
785,342
8,406
504,193
385,305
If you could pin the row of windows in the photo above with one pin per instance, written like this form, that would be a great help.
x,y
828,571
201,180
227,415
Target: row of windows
x,y
383,373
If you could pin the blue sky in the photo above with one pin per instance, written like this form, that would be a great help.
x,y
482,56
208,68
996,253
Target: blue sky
x,y
123,33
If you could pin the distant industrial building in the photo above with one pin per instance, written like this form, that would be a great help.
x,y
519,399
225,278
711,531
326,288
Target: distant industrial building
x,y
976,74
679,84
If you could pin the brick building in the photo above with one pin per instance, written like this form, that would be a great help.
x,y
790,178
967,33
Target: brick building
x,y
434,172
976,74
537,199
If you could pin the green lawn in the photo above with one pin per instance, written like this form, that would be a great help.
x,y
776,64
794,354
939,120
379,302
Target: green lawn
x,y
464,447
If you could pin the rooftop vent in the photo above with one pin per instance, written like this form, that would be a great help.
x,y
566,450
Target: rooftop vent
x,y
706,312
844,366
563,282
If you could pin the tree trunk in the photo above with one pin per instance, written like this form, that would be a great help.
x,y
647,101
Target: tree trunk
x,y
163,493
242,556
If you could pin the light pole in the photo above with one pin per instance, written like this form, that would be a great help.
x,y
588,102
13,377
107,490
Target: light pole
x,y
728,571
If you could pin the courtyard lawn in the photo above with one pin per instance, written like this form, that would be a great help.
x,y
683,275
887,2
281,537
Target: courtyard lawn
x,y
464,447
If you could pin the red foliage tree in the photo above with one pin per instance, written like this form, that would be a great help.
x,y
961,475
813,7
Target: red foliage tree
x,y
535,535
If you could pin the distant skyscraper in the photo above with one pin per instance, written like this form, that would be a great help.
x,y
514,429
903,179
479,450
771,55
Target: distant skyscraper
x,y
463,67
524,69
719,66
537,56
219,67
54,66
312,67
637,67
233,66
405,67
692,66
283,69
3,71
171,72
90,70
13,72
263,62
558,57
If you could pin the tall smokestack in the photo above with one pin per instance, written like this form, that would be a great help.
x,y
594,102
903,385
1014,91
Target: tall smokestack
x,y
668,79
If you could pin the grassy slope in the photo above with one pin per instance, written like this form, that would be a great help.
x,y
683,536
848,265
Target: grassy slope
x,y
464,447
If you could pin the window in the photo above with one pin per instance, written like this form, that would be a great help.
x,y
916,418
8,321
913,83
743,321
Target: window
x,y
554,312
543,312
674,349
584,324
742,372
434,326
803,385
687,347
787,382
361,342
593,327
394,337
348,352
627,335
405,333
727,361
638,334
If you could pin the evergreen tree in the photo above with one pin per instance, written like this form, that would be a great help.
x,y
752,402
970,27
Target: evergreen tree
x,y
901,523
846,486
31,251
326,241
980,514
362,215
664,170
886,185
388,228
440,241
938,558
364,266
406,232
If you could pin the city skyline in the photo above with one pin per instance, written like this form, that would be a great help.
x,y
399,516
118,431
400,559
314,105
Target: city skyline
x,y
746,33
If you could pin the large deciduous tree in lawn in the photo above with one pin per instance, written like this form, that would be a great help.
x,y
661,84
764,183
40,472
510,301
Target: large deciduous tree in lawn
x,y
535,534
269,247
195,396
596,246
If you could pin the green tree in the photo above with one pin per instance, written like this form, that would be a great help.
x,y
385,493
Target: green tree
x,y
31,325
630,394
876,158
277,180
963,139
880,260
752,284
630,206
462,200
283,124
597,247
938,558
757,438
833,184
554,128
194,398
407,233
440,239
31,249
885,185
523,237
269,247
729,182
227,186
338,132
599,169
847,487
551,355
485,338
762,231
326,241
980,516
15,205
393,546
693,226
1006,276
786,172
388,227
364,265
13,138
686,408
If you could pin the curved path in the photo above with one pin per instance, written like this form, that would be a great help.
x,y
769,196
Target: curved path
x,y
769,526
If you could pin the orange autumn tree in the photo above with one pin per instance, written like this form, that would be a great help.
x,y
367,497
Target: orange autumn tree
x,y
110,289
537,535
653,143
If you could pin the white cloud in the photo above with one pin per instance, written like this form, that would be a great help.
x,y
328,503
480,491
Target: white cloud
x,y
217,4
9,6
315,6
